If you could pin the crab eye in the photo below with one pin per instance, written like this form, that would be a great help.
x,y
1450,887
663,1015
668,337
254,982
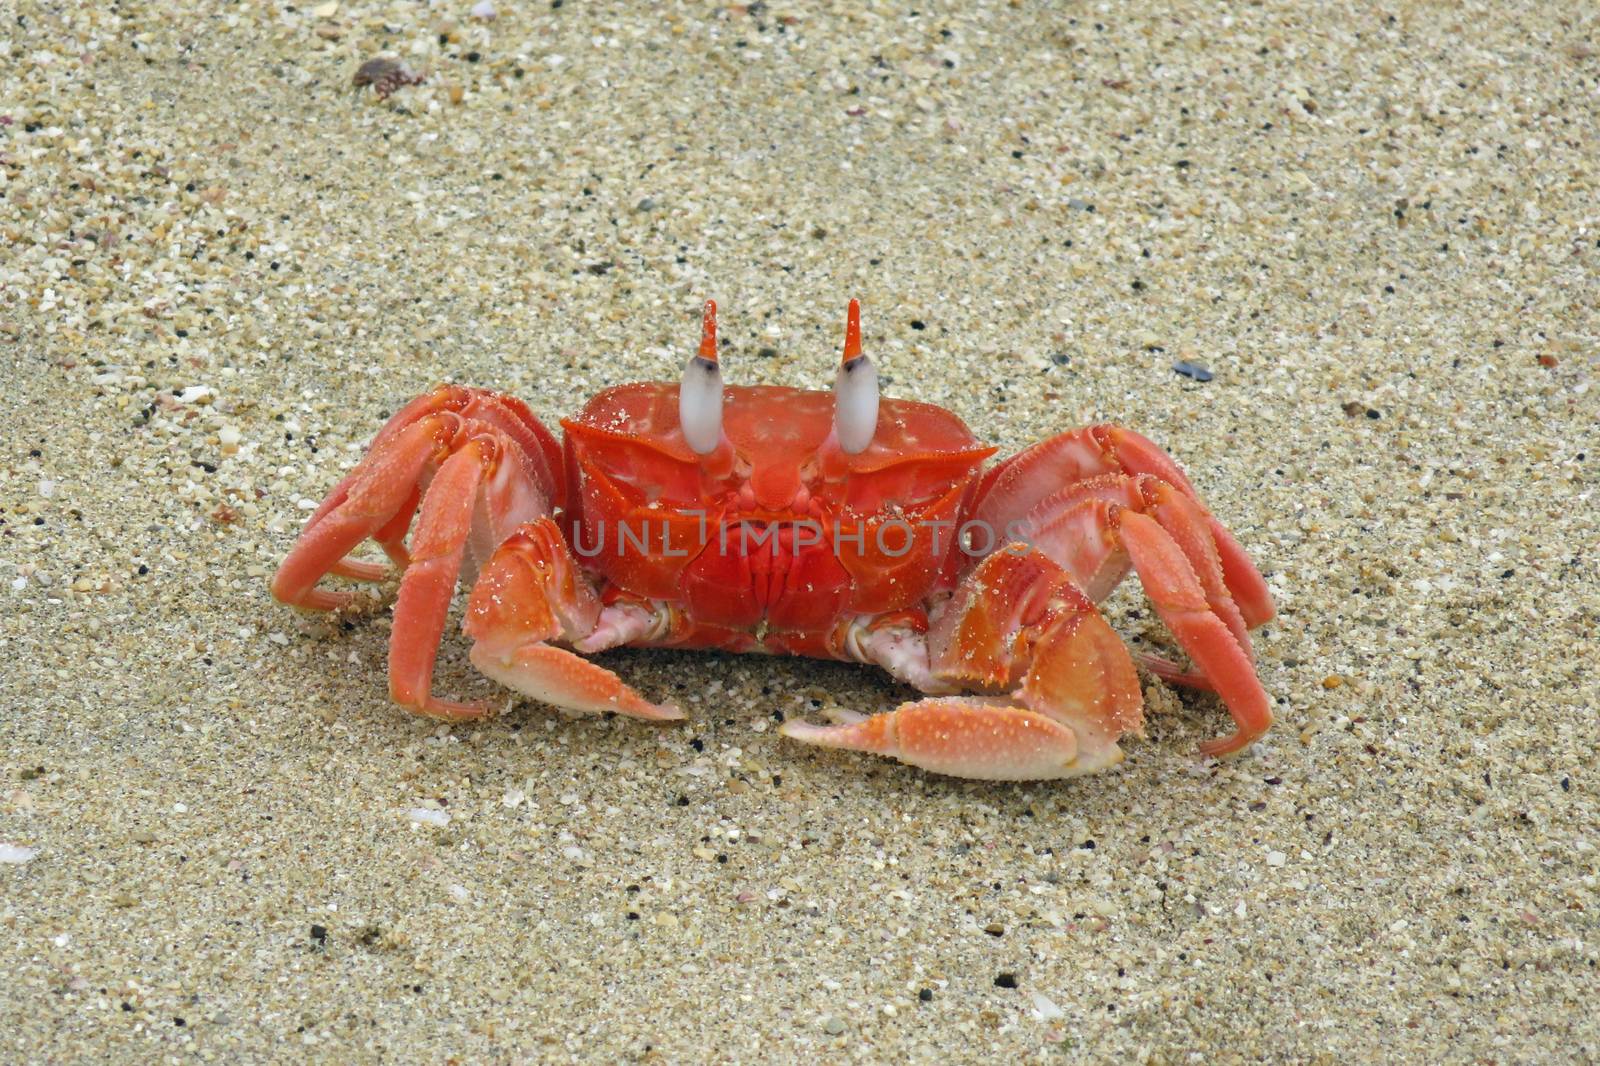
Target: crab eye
x,y
700,395
855,391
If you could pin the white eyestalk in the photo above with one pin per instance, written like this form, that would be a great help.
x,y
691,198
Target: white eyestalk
x,y
855,391
700,395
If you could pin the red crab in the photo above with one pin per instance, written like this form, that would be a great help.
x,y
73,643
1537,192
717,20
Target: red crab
x,y
770,519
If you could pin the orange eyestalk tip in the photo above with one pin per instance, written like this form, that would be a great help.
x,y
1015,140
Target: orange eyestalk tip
x,y
708,332
852,331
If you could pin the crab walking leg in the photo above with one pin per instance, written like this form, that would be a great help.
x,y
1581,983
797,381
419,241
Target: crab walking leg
x,y
532,592
1171,585
368,502
1185,522
1072,528
1015,488
1138,454
429,584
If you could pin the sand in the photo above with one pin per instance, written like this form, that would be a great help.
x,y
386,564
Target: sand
x,y
221,267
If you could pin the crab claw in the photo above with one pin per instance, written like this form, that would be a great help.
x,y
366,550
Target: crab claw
x,y
532,592
1017,623
964,736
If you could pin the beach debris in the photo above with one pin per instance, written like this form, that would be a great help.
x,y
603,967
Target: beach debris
x,y
1045,1007
1192,370
16,854
385,75
429,816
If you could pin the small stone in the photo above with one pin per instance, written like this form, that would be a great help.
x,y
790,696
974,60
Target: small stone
x,y
995,929
1332,681
833,1026
16,854
1192,370
1276,858
1005,980
484,11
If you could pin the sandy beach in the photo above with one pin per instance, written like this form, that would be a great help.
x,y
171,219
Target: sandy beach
x,y
1375,230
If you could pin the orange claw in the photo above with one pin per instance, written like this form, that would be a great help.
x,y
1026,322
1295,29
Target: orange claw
x,y
532,592
963,736
1017,621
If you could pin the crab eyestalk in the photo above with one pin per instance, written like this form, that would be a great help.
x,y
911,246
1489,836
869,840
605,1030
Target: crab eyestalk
x,y
700,396
855,391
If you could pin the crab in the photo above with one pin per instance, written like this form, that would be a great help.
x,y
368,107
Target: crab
x,y
838,525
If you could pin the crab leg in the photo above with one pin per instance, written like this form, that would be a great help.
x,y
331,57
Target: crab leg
x,y
1070,528
1138,454
1179,599
368,502
423,605
532,592
1015,488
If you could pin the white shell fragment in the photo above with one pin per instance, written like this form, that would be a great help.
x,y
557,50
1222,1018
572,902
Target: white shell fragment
x,y
16,854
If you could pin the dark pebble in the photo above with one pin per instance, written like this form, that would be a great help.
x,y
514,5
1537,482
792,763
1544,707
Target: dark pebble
x,y
917,323
1374,414
1192,370
319,933
1060,358
1006,980
926,995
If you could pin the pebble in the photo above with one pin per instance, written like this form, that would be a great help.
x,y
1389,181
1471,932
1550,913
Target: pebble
x,y
1192,370
429,816
16,854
